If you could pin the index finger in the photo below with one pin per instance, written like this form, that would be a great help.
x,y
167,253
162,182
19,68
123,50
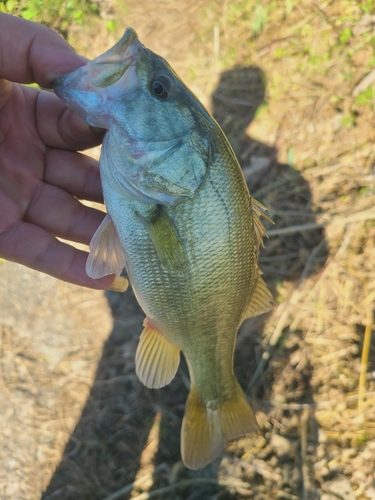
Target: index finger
x,y
30,52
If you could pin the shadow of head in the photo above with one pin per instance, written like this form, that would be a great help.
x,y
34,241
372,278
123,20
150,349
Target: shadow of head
x,y
235,101
292,253
281,187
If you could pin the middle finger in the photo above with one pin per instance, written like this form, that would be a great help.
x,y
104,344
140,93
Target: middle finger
x,y
74,172
61,214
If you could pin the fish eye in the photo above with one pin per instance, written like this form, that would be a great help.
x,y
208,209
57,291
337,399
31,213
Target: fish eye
x,y
161,86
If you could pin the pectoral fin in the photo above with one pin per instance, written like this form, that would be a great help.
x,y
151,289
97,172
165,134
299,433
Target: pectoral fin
x,y
261,300
106,253
156,359
166,239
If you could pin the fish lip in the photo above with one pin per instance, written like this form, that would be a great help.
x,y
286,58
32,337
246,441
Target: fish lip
x,y
125,52
126,48
88,77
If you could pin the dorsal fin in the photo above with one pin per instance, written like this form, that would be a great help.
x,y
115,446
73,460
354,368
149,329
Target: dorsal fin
x,y
261,300
259,229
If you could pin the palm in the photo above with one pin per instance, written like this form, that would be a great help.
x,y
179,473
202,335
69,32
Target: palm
x,y
40,175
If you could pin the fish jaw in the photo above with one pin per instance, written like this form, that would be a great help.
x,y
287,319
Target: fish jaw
x,y
92,89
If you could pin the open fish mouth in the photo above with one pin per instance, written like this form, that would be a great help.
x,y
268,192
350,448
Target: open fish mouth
x,y
107,77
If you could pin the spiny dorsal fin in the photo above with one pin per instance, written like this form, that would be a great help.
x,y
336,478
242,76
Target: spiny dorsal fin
x,y
261,300
166,239
156,359
259,229
106,253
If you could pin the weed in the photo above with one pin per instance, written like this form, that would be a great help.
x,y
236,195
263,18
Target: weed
x,y
57,14
366,98
348,121
259,19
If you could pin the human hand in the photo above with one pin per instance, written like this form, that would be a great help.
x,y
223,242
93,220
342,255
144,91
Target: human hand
x,y
41,173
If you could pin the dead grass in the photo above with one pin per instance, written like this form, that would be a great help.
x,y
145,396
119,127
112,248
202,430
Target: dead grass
x,y
284,96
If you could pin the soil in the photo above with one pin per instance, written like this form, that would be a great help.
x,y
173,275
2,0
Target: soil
x,y
76,422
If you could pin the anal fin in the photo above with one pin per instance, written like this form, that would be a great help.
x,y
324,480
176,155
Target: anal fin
x,y
261,300
156,359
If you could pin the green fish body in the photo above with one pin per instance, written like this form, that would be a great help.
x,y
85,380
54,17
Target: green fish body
x,y
182,222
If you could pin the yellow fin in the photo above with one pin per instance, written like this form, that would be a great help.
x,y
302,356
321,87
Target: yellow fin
x,y
156,359
261,300
166,239
201,436
207,425
236,416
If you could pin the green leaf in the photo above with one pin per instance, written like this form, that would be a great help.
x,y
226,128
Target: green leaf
x,y
366,97
288,6
290,157
348,121
261,109
345,35
259,19
10,6
29,14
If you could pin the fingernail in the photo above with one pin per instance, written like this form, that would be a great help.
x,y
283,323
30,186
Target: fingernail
x,y
120,284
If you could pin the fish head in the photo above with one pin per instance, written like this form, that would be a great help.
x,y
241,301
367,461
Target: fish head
x,y
160,137
131,85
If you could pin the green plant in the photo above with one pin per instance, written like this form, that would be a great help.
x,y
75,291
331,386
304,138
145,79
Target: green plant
x,y
57,14
348,121
259,19
366,98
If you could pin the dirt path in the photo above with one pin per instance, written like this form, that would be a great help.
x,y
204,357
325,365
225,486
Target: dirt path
x,y
52,335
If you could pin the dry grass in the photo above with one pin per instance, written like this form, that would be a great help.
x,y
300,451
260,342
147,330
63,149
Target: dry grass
x,y
284,96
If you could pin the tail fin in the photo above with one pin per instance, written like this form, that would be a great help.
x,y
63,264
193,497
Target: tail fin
x,y
206,427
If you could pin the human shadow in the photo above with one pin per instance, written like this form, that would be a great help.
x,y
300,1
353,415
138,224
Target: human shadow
x,y
104,453
293,256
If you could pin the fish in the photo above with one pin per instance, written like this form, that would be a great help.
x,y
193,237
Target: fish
x,y
181,220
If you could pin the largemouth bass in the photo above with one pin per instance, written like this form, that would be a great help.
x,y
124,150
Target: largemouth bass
x,y
182,222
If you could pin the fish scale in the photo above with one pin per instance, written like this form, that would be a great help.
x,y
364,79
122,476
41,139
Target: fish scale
x,y
182,222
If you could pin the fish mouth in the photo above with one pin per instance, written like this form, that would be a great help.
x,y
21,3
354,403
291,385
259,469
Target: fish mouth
x,y
125,48
108,77
108,68
95,73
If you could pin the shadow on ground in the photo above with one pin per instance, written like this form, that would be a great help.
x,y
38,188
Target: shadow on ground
x,y
111,444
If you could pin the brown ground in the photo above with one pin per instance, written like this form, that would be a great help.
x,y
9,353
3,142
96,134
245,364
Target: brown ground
x,y
76,422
